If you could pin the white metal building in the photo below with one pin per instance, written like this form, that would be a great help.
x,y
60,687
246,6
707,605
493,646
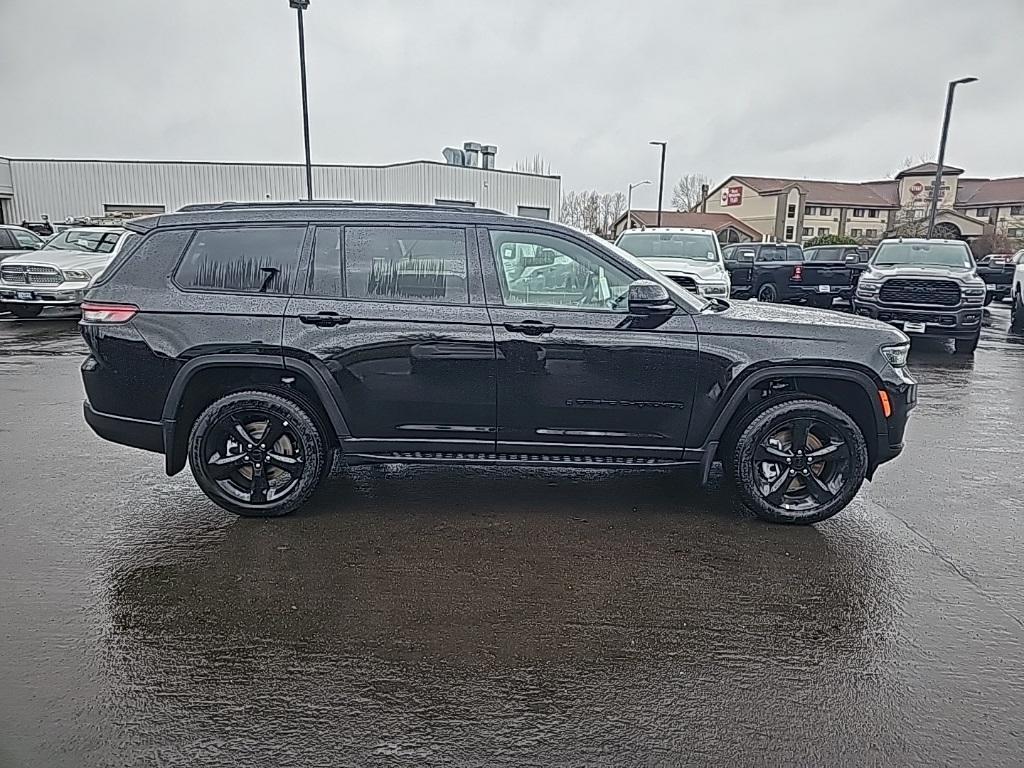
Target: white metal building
x,y
30,188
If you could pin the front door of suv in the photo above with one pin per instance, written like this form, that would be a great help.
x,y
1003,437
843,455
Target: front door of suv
x,y
396,316
577,376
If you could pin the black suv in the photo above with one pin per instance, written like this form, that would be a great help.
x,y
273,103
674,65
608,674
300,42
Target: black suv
x,y
255,341
924,287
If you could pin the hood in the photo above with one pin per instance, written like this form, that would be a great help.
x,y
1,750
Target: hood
x,y
707,270
961,274
782,320
93,262
5,255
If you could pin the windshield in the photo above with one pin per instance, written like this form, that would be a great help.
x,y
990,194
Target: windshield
x,y
690,299
91,240
694,246
955,255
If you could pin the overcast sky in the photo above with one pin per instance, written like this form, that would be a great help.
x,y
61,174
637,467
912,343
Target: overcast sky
x,y
815,89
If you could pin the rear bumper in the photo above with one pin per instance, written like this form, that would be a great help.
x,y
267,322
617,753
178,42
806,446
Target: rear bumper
x,y
952,323
147,435
809,291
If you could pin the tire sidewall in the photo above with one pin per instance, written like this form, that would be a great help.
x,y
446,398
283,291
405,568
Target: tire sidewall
x,y
763,424
305,428
768,288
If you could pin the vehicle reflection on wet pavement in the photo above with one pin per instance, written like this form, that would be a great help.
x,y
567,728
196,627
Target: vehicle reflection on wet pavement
x,y
419,616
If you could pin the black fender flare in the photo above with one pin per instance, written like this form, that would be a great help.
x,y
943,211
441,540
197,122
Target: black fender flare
x,y
322,382
745,384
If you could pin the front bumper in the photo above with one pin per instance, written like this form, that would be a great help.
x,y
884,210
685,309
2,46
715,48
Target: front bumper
x,y
953,322
67,294
901,389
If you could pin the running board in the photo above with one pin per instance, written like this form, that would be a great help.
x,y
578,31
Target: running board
x,y
448,457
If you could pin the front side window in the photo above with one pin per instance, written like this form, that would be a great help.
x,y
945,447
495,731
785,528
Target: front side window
x,y
425,264
538,270
25,239
249,260
794,253
694,246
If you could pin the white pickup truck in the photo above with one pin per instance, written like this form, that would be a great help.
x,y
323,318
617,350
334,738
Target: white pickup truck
x,y
59,273
690,257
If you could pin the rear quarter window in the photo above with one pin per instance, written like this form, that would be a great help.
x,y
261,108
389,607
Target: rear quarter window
x,y
147,259
242,259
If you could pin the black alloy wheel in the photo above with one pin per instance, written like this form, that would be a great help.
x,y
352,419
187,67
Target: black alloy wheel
x,y
257,454
800,462
767,293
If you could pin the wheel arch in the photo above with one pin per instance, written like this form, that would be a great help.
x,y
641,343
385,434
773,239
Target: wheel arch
x,y
206,378
850,389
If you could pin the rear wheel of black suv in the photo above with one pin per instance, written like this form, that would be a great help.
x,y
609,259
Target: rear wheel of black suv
x,y
257,454
799,462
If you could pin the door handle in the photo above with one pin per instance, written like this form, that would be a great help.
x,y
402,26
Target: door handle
x,y
530,327
325,319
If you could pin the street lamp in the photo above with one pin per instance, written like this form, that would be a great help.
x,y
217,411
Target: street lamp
x,y
661,182
942,150
629,200
300,6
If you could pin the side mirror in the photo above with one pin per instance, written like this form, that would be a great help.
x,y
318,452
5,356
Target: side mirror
x,y
647,298
851,258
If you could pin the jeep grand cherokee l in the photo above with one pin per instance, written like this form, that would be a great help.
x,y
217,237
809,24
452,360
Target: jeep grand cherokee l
x,y
926,287
256,341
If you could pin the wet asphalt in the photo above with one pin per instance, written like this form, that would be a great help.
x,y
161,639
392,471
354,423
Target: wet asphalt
x,y
421,616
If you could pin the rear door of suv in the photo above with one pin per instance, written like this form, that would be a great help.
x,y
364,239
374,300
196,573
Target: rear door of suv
x,y
395,314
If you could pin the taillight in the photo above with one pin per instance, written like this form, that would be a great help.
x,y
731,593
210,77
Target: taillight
x,y
108,313
798,272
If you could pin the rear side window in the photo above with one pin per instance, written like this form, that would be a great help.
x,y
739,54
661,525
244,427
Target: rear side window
x,y
243,260
381,263
795,253
771,253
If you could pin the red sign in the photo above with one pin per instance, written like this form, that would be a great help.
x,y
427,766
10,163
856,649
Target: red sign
x,y
732,195
917,188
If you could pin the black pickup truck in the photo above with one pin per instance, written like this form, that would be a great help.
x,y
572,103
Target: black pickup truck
x,y
996,269
779,272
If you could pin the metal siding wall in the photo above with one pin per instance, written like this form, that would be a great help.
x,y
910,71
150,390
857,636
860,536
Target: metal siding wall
x,y
62,188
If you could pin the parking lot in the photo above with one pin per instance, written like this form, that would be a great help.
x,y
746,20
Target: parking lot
x,y
421,616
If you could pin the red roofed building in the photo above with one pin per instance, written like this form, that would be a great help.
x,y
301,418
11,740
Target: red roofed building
x,y
728,228
799,209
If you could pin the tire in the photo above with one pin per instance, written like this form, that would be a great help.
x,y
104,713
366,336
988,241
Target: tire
x,y
253,479
26,311
1017,314
768,293
967,346
762,484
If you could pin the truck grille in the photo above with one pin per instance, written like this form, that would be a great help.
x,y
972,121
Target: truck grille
x,y
686,282
903,290
26,274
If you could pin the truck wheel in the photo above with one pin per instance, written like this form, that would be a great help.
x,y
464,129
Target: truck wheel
x,y
967,346
799,462
1017,314
767,293
257,454
26,311
988,297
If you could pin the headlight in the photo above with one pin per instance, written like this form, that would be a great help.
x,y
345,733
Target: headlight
x,y
713,289
77,275
896,354
867,287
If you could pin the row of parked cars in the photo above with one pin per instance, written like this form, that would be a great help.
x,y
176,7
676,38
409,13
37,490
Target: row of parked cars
x,y
922,286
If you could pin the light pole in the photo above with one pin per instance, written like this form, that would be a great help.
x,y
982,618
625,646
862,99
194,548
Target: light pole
x,y
300,6
629,200
942,150
661,181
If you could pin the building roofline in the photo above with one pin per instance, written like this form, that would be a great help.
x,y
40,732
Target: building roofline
x,y
274,165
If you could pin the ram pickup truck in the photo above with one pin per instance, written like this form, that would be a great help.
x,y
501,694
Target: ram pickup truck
x,y
778,272
996,269
924,287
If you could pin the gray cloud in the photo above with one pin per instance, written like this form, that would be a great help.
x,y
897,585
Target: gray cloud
x,y
824,89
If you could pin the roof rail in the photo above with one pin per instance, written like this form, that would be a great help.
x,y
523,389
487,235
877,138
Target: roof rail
x,y
232,206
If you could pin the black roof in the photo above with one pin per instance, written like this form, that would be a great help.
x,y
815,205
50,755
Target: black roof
x,y
308,211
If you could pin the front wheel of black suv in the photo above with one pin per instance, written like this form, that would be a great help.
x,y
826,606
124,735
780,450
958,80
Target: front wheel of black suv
x,y
257,454
799,462
967,346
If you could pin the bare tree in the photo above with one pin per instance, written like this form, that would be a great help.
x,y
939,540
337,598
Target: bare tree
x,y
686,194
592,211
910,161
536,164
